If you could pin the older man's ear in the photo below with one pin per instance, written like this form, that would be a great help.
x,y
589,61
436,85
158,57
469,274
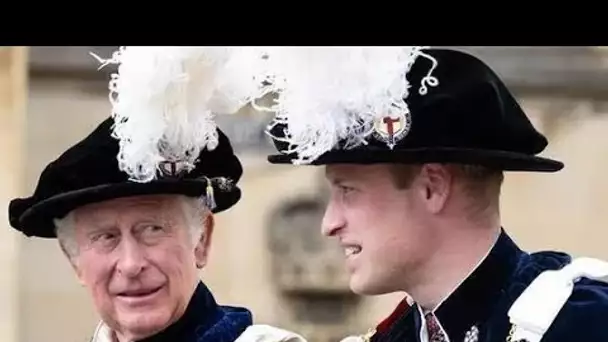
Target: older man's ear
x,y
201,251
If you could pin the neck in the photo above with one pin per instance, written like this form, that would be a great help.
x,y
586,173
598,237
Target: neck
x,y
456,255
120,335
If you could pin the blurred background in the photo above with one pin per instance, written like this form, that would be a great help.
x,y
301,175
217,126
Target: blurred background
x,y
267,252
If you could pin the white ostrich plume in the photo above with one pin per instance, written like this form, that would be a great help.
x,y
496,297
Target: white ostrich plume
x,y
164,100
332,95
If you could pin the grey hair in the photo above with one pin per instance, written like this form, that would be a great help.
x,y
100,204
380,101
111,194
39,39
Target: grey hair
x,y
194,209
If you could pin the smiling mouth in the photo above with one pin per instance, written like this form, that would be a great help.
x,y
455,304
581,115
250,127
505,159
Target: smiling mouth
x,y
352,250
139,292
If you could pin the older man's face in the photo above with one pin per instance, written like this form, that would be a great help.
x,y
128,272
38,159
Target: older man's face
x,y
138,258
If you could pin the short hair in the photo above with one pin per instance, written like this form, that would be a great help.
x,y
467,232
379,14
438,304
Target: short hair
x,y
481,185
193,208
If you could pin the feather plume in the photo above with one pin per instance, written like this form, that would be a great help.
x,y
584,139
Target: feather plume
x,y
164,100
332,95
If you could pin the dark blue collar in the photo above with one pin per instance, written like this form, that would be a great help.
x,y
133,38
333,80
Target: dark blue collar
x,y
484,297
205,320
471,303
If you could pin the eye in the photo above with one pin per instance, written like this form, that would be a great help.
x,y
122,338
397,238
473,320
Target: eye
x,y
150,232
105,236
105,240
153,229
345,189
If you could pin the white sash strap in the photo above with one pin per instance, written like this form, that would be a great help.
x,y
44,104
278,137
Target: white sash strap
x,y
267,333
102,334
534,311
253,333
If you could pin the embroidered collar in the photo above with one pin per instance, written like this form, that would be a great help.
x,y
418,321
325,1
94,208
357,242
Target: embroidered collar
x,y
399,311
203,320
395,327
468,305
472,301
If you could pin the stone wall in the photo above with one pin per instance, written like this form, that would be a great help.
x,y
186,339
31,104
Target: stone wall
x,y
13,99
566,210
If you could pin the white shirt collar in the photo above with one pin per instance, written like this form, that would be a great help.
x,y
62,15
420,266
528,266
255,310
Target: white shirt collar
x,y
103,333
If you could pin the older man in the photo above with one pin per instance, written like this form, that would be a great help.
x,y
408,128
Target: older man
x,y
133,203
415,180
137,247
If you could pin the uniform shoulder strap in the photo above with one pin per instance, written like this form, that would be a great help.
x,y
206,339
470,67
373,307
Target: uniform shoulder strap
x,y
535,309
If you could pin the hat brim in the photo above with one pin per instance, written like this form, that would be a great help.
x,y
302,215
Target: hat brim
x,y
38,219
502,160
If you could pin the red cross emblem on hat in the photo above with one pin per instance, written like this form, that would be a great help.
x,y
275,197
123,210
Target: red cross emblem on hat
x,y
171,168
391,129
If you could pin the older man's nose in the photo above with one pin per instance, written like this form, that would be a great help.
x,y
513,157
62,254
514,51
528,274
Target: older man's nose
x,y
132,259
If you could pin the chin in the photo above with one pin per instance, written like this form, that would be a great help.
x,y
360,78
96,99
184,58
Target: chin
x,y
368,286
371,285
143,324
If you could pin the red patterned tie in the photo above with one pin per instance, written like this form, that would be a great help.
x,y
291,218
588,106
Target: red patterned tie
x,y
433,329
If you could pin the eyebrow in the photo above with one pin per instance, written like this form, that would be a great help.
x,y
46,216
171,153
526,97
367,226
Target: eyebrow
x,y
340,180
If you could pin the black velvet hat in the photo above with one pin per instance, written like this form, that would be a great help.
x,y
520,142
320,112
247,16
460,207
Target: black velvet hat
x,y
467,117
161,136
88,172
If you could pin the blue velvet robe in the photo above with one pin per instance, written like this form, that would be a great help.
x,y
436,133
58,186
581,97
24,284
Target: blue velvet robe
x,y
485,297
206,321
